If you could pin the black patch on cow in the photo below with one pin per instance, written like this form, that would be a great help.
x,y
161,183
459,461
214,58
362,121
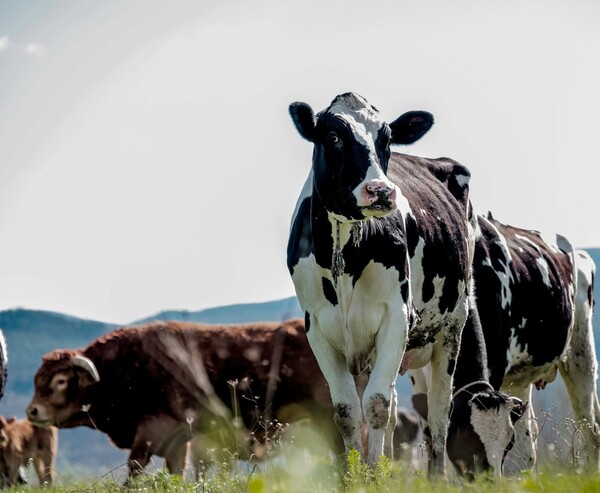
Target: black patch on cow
x,y
329,292
489,400
343,419
300,241
307,321
377,411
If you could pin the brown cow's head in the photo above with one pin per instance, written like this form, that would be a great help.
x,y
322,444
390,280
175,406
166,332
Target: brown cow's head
x,y
61,389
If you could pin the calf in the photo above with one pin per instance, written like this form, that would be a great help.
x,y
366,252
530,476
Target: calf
x,y
535,301
151,388
21,441
380,253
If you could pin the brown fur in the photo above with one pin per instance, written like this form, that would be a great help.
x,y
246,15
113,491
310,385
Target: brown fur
x,y
21,441
164,382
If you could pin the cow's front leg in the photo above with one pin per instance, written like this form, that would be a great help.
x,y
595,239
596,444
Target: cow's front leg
x,y
346,404
378,399
138,458
439,396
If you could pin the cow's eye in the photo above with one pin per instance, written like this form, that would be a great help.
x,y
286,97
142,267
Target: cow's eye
x,y
332,138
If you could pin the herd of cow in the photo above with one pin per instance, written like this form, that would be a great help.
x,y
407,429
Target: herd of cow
x,y
396,274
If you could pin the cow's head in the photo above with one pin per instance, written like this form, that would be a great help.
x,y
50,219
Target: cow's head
x,y
62,384
351,154
481,429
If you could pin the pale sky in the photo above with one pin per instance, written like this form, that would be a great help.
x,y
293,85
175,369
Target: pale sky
x,y
148,162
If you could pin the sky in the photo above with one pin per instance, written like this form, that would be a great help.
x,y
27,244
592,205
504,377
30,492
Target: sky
x,y
148,161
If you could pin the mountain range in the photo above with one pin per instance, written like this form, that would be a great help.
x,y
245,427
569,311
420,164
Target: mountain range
x,y
87,453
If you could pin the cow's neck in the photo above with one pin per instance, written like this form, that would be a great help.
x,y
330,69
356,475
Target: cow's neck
x,y
342,232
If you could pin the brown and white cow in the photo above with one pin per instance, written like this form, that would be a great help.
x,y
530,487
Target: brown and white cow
x,y
535,299
21,441
380,255
151,388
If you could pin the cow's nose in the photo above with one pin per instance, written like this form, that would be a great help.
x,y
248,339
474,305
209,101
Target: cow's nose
x,y
32,412
379,190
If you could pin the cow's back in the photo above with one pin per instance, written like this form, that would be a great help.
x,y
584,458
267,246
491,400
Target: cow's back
x,y
438,233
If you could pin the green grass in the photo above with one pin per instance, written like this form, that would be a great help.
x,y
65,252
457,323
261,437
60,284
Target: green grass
x,y
299,471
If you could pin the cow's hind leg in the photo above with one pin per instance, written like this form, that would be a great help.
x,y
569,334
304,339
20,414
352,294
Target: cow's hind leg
x,y
578,370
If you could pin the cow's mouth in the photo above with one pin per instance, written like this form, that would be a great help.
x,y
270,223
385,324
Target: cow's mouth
x,y
382,206
44,423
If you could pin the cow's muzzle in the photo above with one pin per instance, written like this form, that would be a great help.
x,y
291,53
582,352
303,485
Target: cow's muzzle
x,y
378,197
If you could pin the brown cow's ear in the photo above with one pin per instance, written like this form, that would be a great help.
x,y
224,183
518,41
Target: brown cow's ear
x,y
411,126
12,419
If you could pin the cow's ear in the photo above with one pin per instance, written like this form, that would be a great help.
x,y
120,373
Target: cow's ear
x,y
304,120
420,404
411,126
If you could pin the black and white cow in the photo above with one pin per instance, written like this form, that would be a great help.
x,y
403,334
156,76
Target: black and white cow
x,y
380,252
535,299
481,429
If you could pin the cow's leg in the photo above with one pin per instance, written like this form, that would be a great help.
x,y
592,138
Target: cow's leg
x,y
443,362
578,370
175,458
388,444
346,404
420,385
138,458
523,453
44,470
378,397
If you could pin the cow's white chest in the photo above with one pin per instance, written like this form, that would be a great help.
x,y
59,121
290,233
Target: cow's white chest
x,y
363,305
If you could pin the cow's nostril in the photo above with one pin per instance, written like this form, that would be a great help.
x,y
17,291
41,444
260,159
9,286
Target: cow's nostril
x,y
32,411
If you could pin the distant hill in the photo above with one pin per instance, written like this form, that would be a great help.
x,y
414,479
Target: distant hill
x,y
248,312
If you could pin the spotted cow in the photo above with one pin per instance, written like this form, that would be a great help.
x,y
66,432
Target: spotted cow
x,y
380,253
482,419
535,299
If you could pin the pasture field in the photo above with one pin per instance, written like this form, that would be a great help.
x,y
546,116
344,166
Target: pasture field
x,y
324,480
297,470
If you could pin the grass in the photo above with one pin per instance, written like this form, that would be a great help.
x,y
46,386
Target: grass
x,y
298,470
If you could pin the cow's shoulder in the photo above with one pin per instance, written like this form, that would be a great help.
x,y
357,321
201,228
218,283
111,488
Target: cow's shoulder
x,y
432,177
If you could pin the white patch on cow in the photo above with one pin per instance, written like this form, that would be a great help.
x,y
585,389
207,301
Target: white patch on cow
x,y
543,267
495,430
462,180
516,354
374,172
528,241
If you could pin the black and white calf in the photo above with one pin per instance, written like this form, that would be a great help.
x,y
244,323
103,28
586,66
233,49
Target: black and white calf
x,y
535,299
380,253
